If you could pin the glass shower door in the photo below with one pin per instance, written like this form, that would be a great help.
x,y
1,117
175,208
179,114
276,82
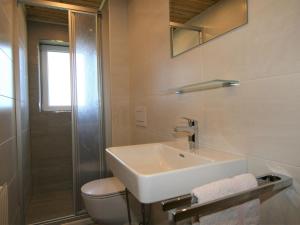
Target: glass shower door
x,y
88,137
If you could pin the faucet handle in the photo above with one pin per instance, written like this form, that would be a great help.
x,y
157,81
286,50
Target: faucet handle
x,y
190,121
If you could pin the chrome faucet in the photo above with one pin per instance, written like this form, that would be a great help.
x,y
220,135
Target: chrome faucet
x,y
192,132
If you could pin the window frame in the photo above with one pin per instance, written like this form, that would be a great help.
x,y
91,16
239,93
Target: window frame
x,y
44,48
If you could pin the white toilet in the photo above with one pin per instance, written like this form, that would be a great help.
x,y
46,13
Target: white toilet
x,y
105,201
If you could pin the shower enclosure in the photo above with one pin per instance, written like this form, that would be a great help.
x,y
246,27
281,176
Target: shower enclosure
x,y
88,132
86,93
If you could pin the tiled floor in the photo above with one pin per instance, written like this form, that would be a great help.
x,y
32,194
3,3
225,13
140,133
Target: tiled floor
x,y
49,205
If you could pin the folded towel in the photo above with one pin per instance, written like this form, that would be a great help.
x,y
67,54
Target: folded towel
x,y
244,214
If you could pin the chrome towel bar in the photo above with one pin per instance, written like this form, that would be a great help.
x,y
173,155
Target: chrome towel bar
x,y
267,184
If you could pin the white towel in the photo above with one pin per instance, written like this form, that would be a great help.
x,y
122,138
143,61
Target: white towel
x,y
244,214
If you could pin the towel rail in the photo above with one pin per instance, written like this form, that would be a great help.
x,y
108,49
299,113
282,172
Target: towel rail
x,y
267,184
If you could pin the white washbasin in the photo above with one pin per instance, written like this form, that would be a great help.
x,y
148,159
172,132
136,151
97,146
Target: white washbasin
x,y
154,172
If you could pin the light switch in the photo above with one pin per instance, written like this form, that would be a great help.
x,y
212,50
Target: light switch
x,y
141,116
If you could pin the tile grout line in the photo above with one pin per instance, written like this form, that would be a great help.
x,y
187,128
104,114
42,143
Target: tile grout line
x,y
7,140
5,96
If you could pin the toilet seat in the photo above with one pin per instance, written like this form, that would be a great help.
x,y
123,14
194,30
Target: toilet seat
x,y
103,188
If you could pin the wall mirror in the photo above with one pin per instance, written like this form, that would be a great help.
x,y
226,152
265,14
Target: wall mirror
x,y
194,22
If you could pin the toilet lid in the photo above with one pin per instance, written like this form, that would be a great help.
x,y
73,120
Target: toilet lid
x,y
103,187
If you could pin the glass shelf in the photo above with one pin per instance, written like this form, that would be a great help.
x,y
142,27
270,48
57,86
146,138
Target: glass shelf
x,y
201,86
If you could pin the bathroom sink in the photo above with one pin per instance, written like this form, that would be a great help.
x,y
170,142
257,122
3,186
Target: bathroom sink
x,y
154,172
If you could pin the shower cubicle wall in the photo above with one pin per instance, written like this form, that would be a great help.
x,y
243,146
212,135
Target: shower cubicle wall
x,y
87,109
88,145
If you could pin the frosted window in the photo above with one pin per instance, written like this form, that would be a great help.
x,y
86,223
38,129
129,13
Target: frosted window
x,y
56,80
59,88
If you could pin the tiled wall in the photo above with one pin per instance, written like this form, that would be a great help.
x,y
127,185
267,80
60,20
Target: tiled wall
x,y
116,71
259,119
51,133
12,45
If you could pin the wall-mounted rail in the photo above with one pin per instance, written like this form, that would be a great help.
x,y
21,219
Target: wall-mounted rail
x,y
267,184
201,86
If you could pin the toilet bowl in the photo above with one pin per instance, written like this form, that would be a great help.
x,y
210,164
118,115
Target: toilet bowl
x,y
105,201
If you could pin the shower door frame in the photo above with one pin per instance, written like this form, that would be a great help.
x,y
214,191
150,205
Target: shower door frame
x,y
77,213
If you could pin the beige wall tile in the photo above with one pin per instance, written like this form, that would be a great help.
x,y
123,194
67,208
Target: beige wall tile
x,y
269,52
6,75
120,122
116,72
259,118
282,208
7,118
